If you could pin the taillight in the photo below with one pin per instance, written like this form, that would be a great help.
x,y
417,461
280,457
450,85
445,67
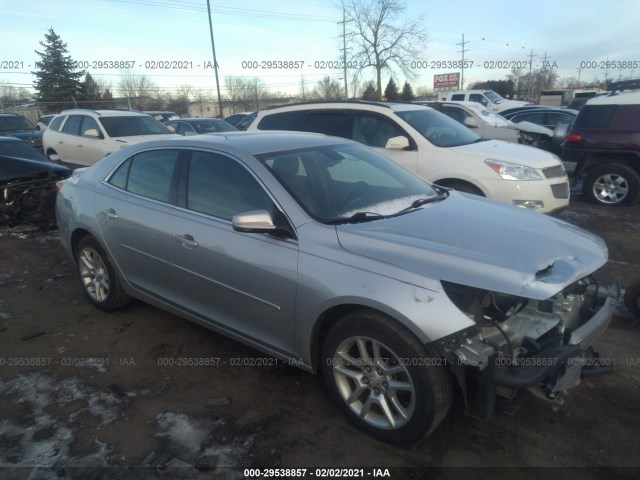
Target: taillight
x,y
573,138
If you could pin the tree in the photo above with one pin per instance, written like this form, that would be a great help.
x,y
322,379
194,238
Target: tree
x,y
328,89
57,78
407,93
89,95
369,92
380,39
137,88
391,91
501,87
10,95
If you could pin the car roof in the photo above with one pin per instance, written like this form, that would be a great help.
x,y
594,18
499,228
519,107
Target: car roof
x,y
105,113
195,120
366,105
626,98
255,143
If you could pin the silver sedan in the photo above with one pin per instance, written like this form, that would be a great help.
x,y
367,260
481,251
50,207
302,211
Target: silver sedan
x,y
323,253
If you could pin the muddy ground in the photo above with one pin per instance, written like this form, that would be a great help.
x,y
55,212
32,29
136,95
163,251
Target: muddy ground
x,y
81,390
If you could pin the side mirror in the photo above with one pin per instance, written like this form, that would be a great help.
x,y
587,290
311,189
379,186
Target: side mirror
x,y
188,133
91,133
173,130
255,221
397,143
471,122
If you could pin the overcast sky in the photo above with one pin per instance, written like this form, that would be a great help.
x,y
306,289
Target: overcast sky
x,y
151,33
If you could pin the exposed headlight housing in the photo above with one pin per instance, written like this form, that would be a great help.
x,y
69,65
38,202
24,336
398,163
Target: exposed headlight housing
x,y
513,171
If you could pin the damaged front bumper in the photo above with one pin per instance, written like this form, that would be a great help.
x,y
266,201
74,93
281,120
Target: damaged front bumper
x,y
545,348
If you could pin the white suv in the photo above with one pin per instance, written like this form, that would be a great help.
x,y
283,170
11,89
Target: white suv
x,y
83,137
436,147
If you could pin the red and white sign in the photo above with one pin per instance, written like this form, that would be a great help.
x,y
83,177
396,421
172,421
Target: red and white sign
x,y
446,80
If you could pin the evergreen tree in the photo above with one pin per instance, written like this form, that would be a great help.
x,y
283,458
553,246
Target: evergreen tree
x,y
89,93
407,93
369,92
391,91
57,79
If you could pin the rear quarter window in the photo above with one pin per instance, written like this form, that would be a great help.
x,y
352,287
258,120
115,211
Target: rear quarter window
x,y
281,121
626,118
595,116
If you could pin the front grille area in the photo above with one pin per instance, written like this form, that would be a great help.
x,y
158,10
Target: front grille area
x,y
554,172
560,190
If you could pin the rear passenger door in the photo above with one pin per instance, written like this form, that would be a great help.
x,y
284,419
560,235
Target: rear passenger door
x,y
134,209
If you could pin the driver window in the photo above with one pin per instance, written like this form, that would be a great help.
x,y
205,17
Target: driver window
x,y
89,123
476,97
374,131
221,187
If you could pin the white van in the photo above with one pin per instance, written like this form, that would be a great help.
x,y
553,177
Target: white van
x,y
436,147
488,98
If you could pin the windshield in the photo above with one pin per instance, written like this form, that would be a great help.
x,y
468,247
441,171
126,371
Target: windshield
x,y
438,128
12,123
494,97
340,181
130,126
213,126
21,150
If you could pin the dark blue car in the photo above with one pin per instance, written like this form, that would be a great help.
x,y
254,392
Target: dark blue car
x,y
14,125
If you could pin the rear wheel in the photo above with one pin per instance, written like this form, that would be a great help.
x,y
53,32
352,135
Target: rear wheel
x,y
384,379
97,276
612,184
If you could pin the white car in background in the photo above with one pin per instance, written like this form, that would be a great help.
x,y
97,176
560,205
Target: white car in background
x,y
82,137
436,147
490,125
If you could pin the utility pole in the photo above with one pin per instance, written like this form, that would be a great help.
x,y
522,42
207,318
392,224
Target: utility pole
x,y
531,55
344,51
215,62
463,43
579,72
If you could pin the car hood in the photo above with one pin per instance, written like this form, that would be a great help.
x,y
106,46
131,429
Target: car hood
x,y
481,243
25,135
532,128
510,152
21,168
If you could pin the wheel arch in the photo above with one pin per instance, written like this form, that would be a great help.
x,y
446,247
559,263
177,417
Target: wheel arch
x,y
450,182
601,158
332,315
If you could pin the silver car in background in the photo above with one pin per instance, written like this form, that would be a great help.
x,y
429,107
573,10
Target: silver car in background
x,y
321,252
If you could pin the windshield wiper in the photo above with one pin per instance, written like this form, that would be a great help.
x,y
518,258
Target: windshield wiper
x,y
423,201
355,218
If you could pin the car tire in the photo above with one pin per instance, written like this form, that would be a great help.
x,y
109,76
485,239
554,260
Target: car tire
x,y
364,355
632,298
97,277
612,184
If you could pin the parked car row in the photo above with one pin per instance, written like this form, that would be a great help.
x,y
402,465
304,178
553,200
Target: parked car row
x,y
436,147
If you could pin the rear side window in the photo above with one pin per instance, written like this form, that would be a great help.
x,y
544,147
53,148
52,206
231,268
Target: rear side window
x,y
149,174
327,122
457,97
72,127
56,122
626,119
281,121
595,116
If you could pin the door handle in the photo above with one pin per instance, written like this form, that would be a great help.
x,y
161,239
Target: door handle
x,y
110,214
187,241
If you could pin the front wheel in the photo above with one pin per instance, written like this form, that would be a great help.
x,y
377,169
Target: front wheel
x,y
612,184
384,379
97,276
